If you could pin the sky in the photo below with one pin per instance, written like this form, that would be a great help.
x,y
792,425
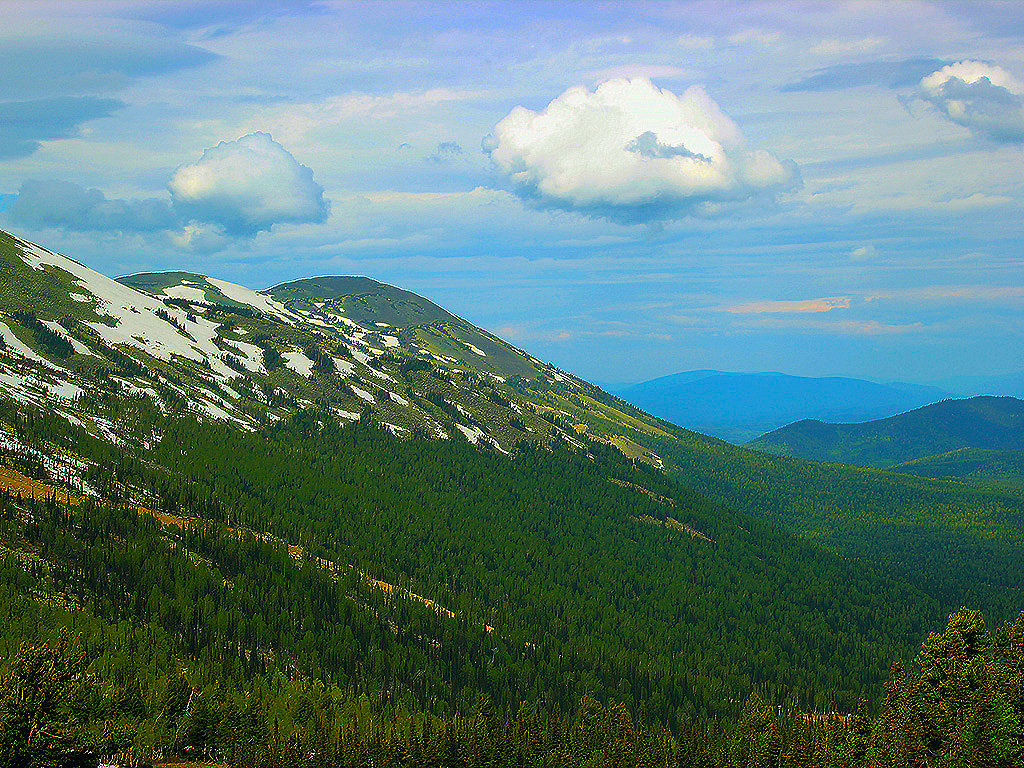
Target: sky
x,y
626,190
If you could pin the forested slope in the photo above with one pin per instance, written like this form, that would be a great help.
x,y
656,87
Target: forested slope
x,y
979,464
635,590
988,423
959,542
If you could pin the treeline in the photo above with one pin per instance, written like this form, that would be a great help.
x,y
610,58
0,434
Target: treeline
x,y
961,704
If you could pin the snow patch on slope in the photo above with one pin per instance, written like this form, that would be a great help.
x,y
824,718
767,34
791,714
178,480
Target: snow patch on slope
x,y
363,394
253,359
298,362
134,313
359,355
16,345
193,295
57,328
473,434
259,301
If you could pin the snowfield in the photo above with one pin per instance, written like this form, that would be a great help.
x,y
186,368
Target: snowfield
x,y
265,304
134,315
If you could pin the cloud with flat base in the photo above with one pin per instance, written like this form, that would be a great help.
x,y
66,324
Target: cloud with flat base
x,y
246,186
631,152
235,190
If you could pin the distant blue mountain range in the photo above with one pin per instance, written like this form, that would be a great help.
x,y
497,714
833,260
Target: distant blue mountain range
x,y
741,406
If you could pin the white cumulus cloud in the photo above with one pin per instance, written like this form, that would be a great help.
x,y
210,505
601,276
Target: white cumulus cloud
x,y
632,152
247,186
981,97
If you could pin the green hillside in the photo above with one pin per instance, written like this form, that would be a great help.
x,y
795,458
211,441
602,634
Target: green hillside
x,y
960,542
969,464
566,574
992,423
225,352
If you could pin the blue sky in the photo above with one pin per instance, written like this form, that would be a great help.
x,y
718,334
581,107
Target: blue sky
x,y
626,190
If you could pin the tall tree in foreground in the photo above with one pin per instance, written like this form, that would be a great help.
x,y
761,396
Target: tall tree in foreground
x,y
37,726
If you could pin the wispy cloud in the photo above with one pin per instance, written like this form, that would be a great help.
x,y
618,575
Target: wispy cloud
x,y
762,37
802,306
840,327
863,253
294,122
837,46
652,71
952,293
25,124
888,74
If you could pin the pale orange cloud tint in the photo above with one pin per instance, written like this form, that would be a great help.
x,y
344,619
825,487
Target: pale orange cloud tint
x,y
825,304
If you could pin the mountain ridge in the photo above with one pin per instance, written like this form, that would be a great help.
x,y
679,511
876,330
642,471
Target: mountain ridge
x,y
744,405
533,545
983,422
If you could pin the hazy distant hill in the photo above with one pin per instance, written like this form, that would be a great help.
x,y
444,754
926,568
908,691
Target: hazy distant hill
x,y
741,406
988,423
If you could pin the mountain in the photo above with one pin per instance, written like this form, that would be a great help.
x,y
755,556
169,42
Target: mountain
x,y
339,480
986,423
355,348
740,406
